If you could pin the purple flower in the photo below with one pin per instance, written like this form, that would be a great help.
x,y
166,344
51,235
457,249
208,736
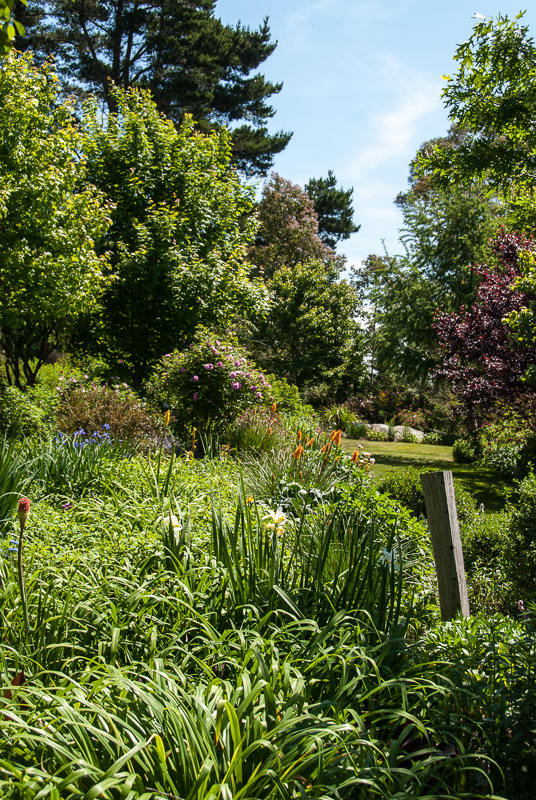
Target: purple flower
x,y
237,385
167,355
210,367
232,374
258,394
253,388
219,364
237,363
217,341
196,395
195,378
183,369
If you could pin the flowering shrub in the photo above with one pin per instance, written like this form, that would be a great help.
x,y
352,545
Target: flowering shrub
x,y
208,385
412,419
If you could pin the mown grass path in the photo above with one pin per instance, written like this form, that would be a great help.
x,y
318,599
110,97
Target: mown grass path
x,y
488,487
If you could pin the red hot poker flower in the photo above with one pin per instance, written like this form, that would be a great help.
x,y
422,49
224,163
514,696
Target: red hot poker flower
x,y
23,510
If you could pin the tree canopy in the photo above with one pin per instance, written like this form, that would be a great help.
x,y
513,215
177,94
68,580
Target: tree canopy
x,y
191,62
444,232
310,329
482,361
181,226
52,219
334,209
492,97
9,26
288,229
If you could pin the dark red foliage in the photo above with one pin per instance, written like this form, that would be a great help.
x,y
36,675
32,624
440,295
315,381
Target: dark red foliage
x,y
482,362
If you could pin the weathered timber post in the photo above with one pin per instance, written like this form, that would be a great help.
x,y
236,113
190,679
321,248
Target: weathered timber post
x,y
438,488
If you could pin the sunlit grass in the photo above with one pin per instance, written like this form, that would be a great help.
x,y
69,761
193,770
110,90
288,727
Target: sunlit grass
x,y
487,487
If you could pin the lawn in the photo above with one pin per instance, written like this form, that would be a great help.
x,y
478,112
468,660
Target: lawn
x,y
487,487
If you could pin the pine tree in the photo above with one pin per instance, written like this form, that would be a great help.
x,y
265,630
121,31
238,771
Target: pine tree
x,y
334,209
190,60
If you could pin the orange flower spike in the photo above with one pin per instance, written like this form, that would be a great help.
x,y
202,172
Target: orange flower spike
x,y
299,435
297,453
269,431
337,439
274,406
323,449
311,442
333,435
355,456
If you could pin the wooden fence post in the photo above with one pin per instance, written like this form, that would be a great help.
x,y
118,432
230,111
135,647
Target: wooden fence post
x,y
438,488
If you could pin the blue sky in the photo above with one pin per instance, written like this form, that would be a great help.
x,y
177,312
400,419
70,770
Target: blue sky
x,y
362,85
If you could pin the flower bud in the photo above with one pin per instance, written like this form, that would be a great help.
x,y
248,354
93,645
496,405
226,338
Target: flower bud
x,y
23,510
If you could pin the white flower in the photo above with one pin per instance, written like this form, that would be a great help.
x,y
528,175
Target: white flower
x,y
276,523
175,524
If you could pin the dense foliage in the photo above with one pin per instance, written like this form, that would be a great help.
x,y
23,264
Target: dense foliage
x,y
334,209
208,385
492,97
482,361
181,224
189,60
53,220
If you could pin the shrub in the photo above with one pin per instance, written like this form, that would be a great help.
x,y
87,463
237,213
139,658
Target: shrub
x,y
85,405
408,436
505,461
19,416
509,444
463,452
377,436
357,430
489,560
260,430
400,485
412,419
432,437
208,385
338,417
286,396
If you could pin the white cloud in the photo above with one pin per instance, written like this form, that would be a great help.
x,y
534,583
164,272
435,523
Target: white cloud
x,y
394,130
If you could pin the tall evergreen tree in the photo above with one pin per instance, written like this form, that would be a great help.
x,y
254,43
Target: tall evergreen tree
x,y
334,209
179,49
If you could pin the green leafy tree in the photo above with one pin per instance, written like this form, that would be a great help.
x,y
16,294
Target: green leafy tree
x,y
334,209
52,220
444,232
9,26
191,62
310,331
492,97
288,229
181,226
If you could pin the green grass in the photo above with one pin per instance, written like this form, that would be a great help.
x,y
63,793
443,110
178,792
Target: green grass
x,y
487,487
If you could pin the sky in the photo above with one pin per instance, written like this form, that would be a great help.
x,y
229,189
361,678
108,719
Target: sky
x,y
362,82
